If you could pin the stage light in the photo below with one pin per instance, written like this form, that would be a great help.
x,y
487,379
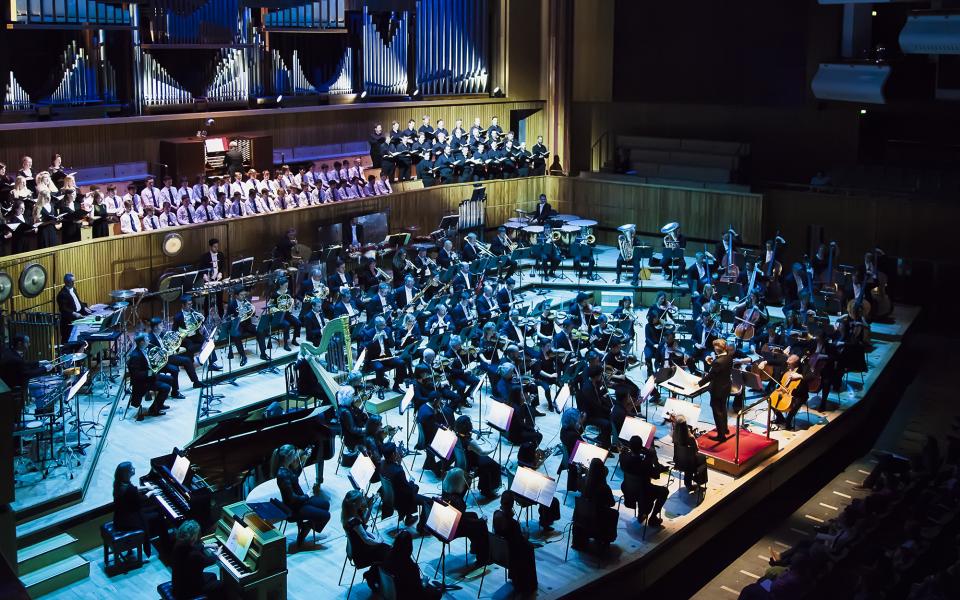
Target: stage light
x,y
873,13
363,94
415,93
497,92
863,111
210,122
279,100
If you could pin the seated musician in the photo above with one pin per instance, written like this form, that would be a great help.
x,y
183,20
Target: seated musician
x,y
686,454
823,364
379,344
380,304
407,500
593,402
289,323
403,296
546,370
584,262
188,562
462,380
640,469
510,391
698,275
502,246
313,322
469,252
175,362
312,513
354,514
193,343
486,305
446,255
476,458
624,405
563,340
15,370
463,280
243,328
407,339
432,414
600,333
472,526
439,322
407,579
340,277
351,416
795,285
572,422
143,381
522,568
615,363
129,513
70,306
582,309
512,329
311,287
699,300
462,312
425,266
505,295
652,338
704,332
488,344
549,257
594,516
794,371
673,354
752,309
340,303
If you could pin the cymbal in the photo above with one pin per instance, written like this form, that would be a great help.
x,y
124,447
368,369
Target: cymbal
x,y
6,286
73,358
120,304
122,294
520,211
670,227
32,280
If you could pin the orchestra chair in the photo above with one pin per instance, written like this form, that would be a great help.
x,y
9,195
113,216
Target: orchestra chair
x,y
291,378
288,517
388,586
166,592
357,565
584,515
387,506
499,555
641,500
117,542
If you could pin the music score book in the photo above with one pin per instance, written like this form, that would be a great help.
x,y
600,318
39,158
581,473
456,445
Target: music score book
x,y
689,410
499,415
181,464
584,452
633,426
362,472
206,351
443,520
563,396
407,400
534,486
239,541
685,384
443,443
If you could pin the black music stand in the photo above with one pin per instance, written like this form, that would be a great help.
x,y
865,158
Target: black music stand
x,y
241,268
641,253
518,255
578,252
670,256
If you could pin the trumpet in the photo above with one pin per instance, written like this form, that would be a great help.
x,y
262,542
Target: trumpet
x,y
386,277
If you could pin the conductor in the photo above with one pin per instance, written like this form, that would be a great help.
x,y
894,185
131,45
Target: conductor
x,y
720,379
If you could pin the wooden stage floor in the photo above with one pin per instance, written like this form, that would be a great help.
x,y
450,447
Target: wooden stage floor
x,y
316,568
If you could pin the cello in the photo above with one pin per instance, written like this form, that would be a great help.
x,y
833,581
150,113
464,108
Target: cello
x,y
772,271
782,397
746,328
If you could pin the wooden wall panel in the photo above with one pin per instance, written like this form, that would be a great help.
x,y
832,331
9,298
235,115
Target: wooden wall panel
x,y
105,142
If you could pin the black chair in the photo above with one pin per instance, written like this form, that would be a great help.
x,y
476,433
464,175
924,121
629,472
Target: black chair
x,y
117,542
499,555
357,565
640,501
289,517
387,506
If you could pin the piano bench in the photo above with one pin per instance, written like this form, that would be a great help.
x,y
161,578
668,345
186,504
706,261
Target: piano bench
x,y
117,542
166,592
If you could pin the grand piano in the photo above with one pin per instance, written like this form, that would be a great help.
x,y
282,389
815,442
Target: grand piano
x,y
251,553
182,494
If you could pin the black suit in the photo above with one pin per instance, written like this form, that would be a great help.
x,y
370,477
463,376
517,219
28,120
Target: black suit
x,y
233,161
543,212
142,382
719,377
67,307
596,406
15,371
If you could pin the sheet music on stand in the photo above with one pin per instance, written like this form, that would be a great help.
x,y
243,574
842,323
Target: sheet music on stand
x,y
534,486
407,401
635,426
686,384
239,541
584,452
689,410
443,443
206,351
499,415
77,385
443,521
362,472
181,465
563,396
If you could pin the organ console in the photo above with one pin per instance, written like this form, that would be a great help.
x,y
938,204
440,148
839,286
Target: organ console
x,y
181,493
252,554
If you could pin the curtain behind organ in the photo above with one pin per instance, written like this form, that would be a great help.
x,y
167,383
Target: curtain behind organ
x,y
320,56
36,58
452,46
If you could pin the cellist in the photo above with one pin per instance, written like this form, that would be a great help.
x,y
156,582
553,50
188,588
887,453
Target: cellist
x,y
792,391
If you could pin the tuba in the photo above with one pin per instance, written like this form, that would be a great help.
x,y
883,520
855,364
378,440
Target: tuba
x,y
625,241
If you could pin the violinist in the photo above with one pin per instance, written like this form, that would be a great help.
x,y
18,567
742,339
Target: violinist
x,y
698,275
372,445
406,494
424,387
592,401
699,299
477,459
640,469
563,340
546,370
652,339
687,457
511,391
624,405
624,318
583,311
704,332
673,353
513,330
489,355
794,372
462,380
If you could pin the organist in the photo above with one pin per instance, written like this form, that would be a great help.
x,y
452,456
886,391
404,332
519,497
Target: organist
x,y
190,558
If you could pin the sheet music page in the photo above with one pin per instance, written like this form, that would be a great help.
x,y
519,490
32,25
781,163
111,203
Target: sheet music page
x,y
13,226
633,426
689,410
443,442
407,400
584,452
686,382
563,396
179,469
499,415
443,520
534,486
362,471
239,541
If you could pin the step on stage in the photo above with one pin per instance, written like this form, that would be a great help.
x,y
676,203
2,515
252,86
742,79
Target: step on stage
x,y
639,556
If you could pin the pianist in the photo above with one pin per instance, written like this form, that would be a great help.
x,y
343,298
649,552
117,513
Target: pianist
x,y
190,558
310,512
129,514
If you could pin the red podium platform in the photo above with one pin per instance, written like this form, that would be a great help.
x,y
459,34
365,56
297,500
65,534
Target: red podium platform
x,y
724,456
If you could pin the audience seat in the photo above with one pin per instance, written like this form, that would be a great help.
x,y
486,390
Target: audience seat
x,y
99,175
324,153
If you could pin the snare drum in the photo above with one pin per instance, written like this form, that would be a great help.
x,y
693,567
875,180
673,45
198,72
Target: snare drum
x,y
586,226
533,233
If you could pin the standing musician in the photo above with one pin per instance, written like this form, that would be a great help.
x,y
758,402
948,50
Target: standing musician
x,y
593,401
463,381
213,263
143,381
175,362
238,313
719,376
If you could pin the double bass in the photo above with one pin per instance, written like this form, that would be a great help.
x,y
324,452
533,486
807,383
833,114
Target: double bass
x,y
772,271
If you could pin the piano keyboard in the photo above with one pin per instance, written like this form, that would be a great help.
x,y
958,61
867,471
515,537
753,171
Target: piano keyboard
x,y
169,506
229,562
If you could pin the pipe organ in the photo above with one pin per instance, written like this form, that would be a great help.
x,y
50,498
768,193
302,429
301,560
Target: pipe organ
x,y
385,53
235,52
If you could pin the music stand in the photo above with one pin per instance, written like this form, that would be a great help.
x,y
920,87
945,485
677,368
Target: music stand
x,y
241,268
670,256
641,253
518,255
442,523
206,392
499,417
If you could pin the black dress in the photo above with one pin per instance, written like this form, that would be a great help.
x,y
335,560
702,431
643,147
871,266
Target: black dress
x,y
101,228
523,564
313,509
47,232
189,579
